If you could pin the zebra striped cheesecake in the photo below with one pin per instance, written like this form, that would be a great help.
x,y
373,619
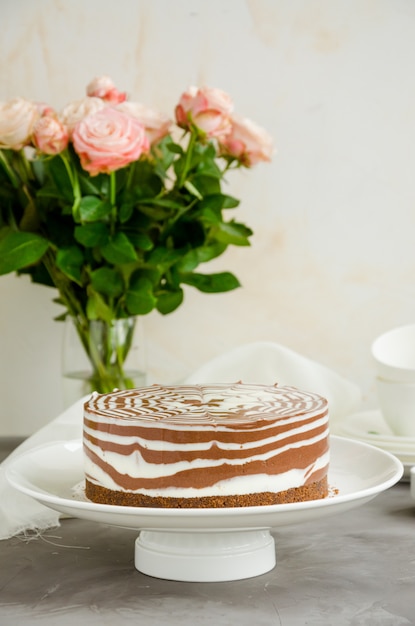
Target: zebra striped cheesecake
x,y
211,445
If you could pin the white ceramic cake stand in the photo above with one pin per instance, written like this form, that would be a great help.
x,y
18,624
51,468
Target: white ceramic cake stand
x,y
203,545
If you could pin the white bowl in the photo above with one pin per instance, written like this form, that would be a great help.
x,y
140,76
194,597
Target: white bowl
x,y
397,404
394,354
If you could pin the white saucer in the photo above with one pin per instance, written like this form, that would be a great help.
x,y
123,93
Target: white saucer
x,y
203,544
370,427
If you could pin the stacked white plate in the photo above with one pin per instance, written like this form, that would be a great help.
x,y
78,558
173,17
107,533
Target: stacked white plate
x,y
370,427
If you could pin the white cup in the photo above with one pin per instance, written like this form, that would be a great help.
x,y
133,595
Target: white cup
x,y
394,354
397,404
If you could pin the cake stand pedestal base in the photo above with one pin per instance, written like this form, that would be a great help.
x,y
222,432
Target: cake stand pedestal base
x,y
205,556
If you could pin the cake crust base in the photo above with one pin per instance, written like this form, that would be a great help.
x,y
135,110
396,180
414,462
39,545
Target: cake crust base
x,y
101,495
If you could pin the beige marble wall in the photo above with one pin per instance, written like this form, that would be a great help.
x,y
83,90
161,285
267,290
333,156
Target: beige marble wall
x,y
332,262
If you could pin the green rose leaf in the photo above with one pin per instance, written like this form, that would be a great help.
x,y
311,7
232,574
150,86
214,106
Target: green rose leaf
x,y
168,301
125,212
91,235
174,147
218,201
233,233
30,220
153,275
206,185
69,261
143,181
210,216
211,283
107,281
167,203
38,274
188,262
208,167
199,255
164,154
119,250
92,209
142,241
156,211
140,299
192,189
163,257
18,250
49,191
56,169
89,186
97,308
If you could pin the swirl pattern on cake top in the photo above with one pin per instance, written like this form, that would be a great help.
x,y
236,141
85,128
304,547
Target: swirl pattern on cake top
x,y
188,404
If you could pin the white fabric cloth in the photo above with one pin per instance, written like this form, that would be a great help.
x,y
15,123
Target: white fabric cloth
x,y
259,362
18,512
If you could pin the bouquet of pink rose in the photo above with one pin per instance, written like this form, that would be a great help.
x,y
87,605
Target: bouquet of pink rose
x,y
116,206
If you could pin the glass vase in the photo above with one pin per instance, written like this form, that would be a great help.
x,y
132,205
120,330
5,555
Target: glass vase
x,y
102,356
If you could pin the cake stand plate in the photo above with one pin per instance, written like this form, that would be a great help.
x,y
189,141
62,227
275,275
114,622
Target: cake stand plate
x,y
203,545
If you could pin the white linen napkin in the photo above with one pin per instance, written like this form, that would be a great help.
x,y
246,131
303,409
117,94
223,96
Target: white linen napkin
x,y
259,362
18,512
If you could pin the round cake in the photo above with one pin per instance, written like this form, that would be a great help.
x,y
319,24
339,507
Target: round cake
x,y
212,445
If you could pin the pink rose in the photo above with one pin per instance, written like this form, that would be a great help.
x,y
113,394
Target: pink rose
x,y
247,142
103,87
76,111
44,109
109,140
50,135
157,125
207,108
17,118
